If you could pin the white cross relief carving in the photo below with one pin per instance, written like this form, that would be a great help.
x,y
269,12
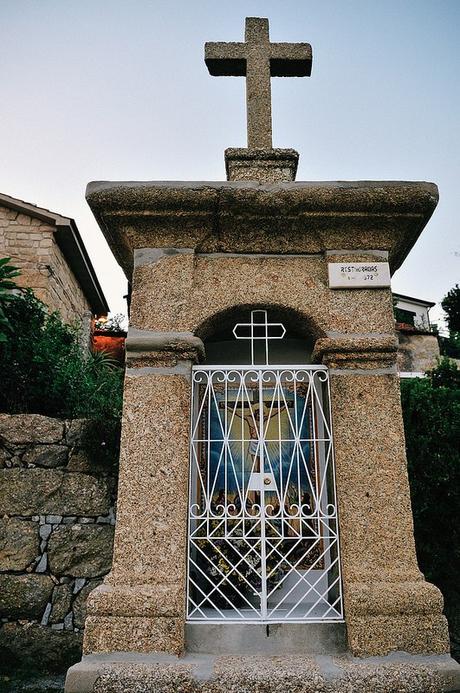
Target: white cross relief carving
x,y
258,330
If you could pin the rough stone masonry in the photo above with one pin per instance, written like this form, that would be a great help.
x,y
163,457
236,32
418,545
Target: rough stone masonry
x,y
56,538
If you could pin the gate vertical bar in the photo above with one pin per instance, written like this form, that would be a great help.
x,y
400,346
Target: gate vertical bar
x,y
263,546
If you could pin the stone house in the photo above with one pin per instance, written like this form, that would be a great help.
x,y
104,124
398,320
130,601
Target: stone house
x,y
49,251
418,346
413,311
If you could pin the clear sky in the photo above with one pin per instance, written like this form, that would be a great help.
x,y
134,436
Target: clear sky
x,y
118,90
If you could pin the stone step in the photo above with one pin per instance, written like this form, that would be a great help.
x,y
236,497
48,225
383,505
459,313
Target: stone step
x,y
195,673
268,639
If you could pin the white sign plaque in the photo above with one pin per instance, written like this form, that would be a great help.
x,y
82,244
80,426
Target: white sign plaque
x,y
358,275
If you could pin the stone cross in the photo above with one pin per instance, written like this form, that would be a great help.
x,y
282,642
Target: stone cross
x,y
257,59
259,329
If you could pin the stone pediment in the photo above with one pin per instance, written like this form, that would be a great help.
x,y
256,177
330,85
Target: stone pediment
x,y
249,217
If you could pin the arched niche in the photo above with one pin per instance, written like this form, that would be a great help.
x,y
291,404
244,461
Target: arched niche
x,y
222,347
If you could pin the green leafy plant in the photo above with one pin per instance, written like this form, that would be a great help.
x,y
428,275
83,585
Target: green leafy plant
x,y
7,285
431,410
45,370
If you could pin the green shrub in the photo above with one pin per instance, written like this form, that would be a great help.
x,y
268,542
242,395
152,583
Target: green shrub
x,y
45,370
7,274
431,410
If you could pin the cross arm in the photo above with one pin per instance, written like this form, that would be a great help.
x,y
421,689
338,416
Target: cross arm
x,y
225,59
290,59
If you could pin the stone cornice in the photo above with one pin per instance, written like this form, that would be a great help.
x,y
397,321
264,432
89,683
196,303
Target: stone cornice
x,y
351,353
148,348
246,216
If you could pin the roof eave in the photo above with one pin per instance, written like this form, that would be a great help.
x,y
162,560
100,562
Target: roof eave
x,y
70,243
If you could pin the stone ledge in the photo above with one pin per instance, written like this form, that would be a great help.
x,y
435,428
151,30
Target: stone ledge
x,y
275,640
254,217
394,598
397,673
148,348
364,352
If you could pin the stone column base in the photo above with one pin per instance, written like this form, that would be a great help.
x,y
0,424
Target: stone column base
x,y
263,165
385,616
139,618
117,673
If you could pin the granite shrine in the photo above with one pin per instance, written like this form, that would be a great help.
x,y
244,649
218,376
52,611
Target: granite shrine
x,y
264,536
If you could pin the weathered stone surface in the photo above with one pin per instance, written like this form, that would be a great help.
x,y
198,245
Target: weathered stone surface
x,y
4,456
31,491
137,600
79,605
32,647
46,455
248,217
417,352
292,283
80,461
19,543
388,604
157,556
253,59
75,431
400,673
81,550
24,596
19,429
268,166
106,634
61,602
248,244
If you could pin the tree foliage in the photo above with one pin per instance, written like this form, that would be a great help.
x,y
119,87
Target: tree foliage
x,y
115,323
451,305
431,410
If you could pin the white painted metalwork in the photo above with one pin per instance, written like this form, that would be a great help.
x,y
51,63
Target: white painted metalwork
x,y
263,528
258,329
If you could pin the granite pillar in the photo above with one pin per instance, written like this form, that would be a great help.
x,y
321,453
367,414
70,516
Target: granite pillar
x,y
388,604
140,606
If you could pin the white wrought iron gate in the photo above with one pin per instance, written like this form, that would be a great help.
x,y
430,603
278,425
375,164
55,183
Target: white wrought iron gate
x,y
263,530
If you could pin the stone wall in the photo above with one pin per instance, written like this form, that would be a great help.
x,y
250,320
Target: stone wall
x,y
31,244
56,537
417,352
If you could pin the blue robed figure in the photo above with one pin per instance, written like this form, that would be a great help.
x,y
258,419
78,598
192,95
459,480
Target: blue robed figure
x,y
260,430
